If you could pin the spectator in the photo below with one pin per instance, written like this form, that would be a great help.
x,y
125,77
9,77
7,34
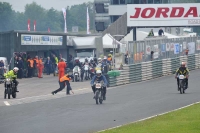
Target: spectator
x,y
55,63
40,67
21,67
126,57
35,69
30,67
152,55
16,61
160,32
151,33
61,68
186,51
1,67
48,64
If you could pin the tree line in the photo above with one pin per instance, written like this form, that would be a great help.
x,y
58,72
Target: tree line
x,y
51,18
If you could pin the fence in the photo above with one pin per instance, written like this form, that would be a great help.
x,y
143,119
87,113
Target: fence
x,y
157,49
153,69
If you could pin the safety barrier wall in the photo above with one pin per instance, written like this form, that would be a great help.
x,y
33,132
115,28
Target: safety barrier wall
x,y
153,69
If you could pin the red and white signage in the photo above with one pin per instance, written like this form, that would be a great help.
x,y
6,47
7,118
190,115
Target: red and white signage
x,y
141,15
29,29
34,26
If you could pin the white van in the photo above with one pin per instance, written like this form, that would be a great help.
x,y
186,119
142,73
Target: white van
x,y
6,67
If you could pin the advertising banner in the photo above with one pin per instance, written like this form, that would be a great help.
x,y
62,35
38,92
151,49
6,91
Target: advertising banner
x,y
168,46
148,49
198,45
171,46
41,40
176,48
163,47
181,14
156,51
191,47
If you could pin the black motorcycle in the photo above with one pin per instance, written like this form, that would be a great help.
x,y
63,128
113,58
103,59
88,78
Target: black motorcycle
x,y
99,92
182,84
10,88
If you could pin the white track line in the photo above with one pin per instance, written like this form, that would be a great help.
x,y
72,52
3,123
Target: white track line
x,y
150,117
6,103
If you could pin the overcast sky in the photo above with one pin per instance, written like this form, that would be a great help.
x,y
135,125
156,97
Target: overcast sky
x,y
18,5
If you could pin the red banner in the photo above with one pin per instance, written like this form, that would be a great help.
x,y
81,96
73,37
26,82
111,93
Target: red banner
x,y
29,28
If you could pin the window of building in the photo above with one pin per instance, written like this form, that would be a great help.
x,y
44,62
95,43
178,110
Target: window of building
x,y
143,1
157,1
99,8
114,18
130,1
122,2
165,1
136,1
150,1
115,2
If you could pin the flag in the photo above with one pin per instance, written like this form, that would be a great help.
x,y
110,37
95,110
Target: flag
x,y
64,15
88,22
49,30
29,29
34,25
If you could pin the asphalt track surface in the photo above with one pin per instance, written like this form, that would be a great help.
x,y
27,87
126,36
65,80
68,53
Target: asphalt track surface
x,y
79,113
33,87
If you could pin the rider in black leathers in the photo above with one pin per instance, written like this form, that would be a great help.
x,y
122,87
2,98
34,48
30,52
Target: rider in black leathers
x,y
183,70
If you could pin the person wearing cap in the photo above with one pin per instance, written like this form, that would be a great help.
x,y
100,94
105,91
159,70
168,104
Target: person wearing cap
x,y
12,74
183,70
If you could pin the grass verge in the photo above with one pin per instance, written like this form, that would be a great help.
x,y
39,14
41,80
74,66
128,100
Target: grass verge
x,y
186,120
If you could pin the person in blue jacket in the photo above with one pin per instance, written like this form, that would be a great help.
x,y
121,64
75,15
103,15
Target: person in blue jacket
x,y
99,77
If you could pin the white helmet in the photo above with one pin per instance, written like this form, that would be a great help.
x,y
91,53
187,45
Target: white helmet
x,y
98,72
15,69
99,60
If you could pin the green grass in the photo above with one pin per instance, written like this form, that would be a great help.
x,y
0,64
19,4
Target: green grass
x,y
186,120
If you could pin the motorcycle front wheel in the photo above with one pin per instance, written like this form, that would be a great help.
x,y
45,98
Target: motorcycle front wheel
x,y
97,97
14,93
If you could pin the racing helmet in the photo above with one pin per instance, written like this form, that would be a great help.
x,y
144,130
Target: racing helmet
x,y
77,60
105,58
98,72
99,60
15,69
183,64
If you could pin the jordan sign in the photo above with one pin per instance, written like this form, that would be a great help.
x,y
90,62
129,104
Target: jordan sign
x,y
146,15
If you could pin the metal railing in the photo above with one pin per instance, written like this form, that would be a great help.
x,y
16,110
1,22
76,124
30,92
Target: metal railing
x,y
157,49
153,69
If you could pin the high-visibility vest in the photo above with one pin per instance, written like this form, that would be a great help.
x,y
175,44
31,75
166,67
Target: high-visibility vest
x,y
31,62
64,78
109,59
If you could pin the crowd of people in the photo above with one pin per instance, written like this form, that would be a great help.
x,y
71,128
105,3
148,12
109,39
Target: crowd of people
x,y
35,66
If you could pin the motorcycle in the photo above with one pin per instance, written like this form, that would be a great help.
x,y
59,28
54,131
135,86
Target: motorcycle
x,y
77,73
86,71
182,84
10,88
99,92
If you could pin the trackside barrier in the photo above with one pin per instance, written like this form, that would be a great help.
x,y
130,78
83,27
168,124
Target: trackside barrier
x,y
153,69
